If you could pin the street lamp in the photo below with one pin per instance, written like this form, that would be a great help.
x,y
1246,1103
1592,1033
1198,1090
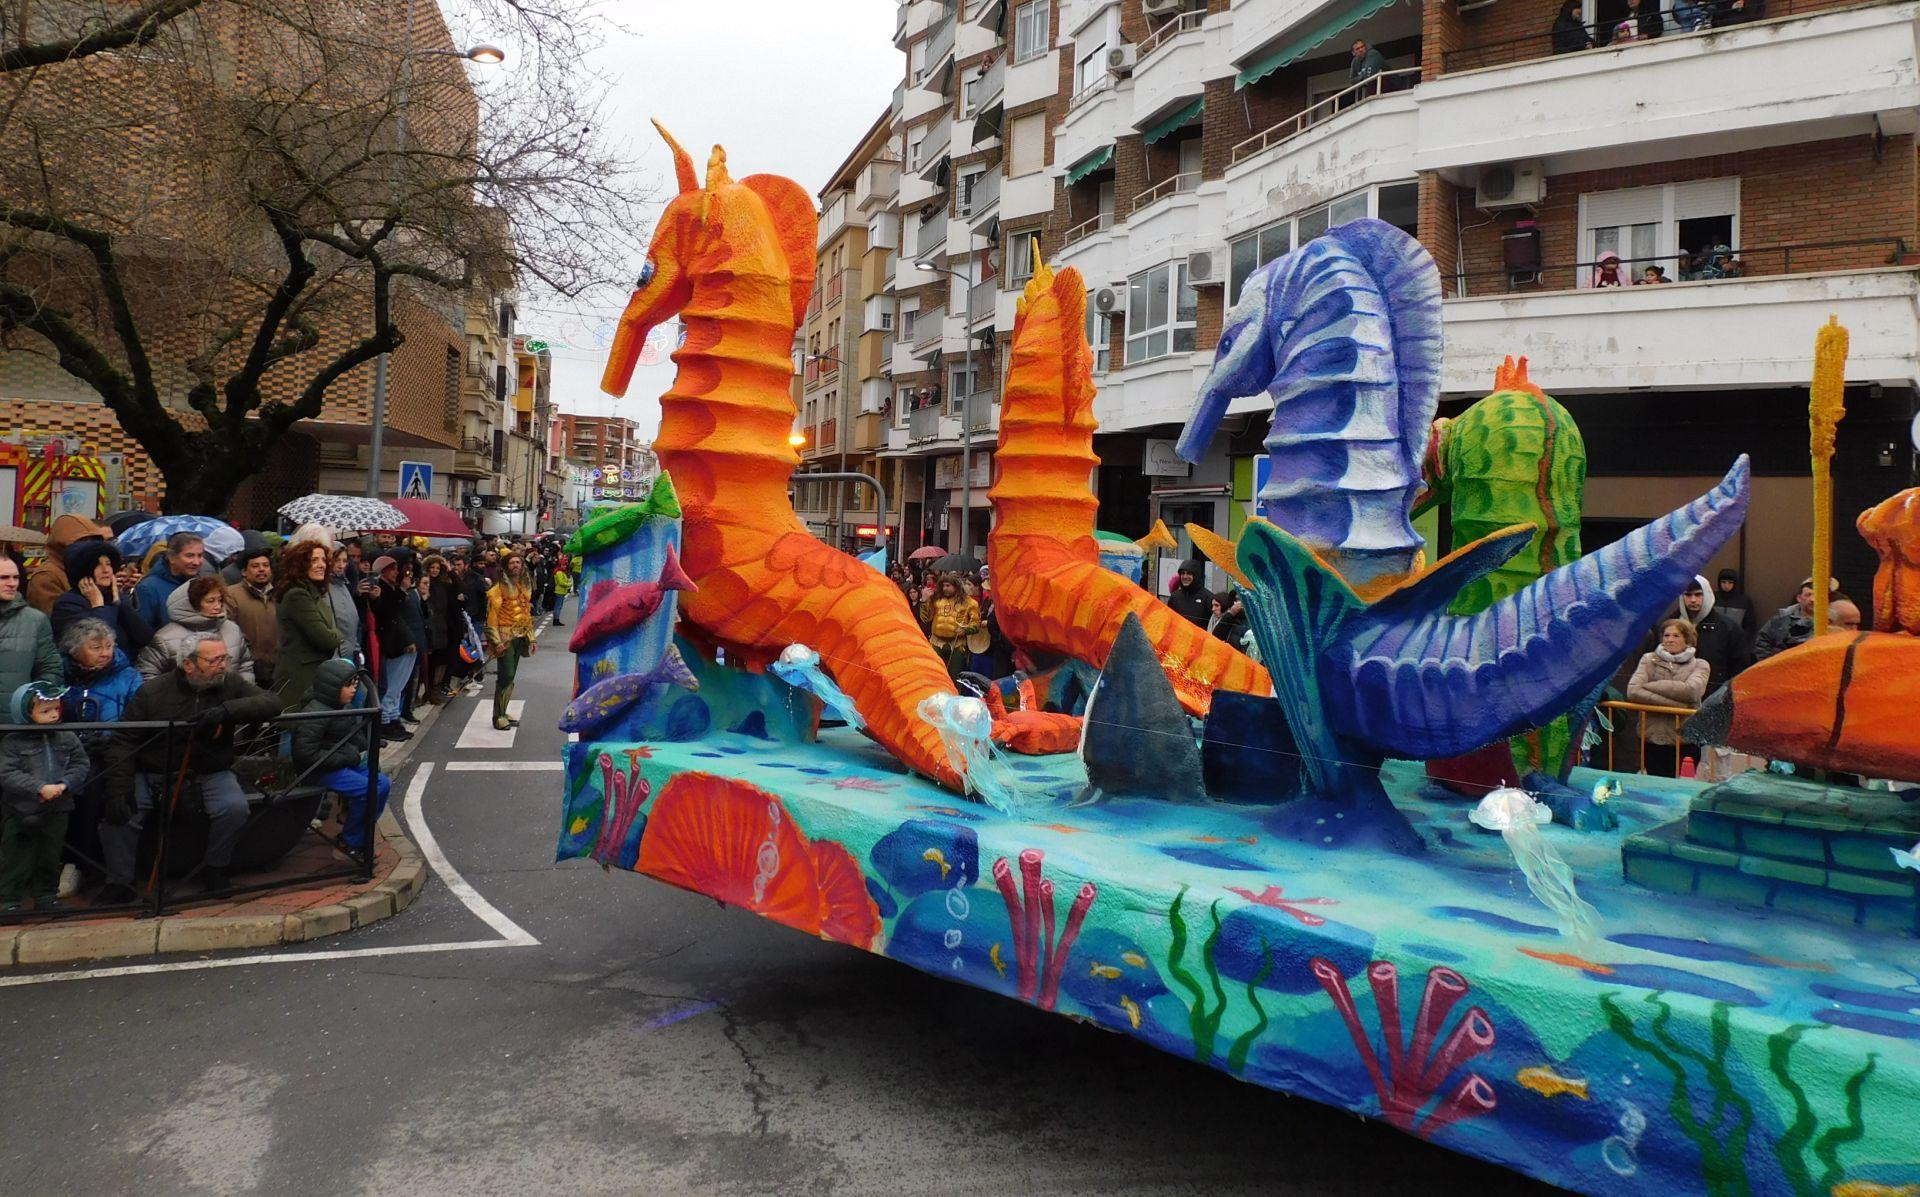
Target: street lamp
x,y
485,55
966,412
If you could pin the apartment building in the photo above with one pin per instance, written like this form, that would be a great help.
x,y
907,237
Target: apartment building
x,y
610,451
844,352
1765,164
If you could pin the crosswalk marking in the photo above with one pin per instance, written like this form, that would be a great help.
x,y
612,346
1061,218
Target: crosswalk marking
x,y
480,732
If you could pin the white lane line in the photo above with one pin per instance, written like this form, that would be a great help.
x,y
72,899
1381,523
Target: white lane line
x,y
512,935
429,847
504,766
480,732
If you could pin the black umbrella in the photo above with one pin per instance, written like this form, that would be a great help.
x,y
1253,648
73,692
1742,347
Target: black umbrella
x,y
120,521
957,563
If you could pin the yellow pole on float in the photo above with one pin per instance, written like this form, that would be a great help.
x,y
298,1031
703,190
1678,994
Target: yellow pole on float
x,y
1826,404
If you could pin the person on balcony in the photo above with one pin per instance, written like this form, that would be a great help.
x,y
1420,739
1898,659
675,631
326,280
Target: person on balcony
x,y
1652,276
1672,675
1648,21
1367,62
1569,32
1607,271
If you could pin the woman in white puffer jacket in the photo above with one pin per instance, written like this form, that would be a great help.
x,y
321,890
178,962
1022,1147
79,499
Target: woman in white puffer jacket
x,y
194,610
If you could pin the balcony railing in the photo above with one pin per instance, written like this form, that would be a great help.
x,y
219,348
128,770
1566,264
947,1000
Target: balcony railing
x,y
1758,261
1087,228
980,300
829,434
1709,14
1173,185
923,425
985,197
1099,83
1325,110
836,287
980,410
813,303
939,46
932,237
927,327
1186,22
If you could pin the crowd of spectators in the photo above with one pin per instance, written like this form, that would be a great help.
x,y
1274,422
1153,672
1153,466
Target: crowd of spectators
x,y
311,623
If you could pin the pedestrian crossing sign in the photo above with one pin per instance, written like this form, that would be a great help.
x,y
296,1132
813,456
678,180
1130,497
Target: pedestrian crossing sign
x,y
416,480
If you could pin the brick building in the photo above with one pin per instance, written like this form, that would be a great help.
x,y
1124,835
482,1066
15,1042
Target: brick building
x,y
605,451
1182,143
140,169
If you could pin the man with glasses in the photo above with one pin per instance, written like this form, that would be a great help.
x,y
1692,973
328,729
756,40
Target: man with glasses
x,y
28,652
203,693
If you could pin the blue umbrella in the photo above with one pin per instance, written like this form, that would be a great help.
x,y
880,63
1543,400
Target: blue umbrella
x,y
222,540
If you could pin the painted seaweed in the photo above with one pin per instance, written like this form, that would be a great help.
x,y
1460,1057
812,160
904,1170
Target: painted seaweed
x,y
1204,1017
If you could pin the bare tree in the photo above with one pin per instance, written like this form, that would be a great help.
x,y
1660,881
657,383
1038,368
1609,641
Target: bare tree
x,y
214,211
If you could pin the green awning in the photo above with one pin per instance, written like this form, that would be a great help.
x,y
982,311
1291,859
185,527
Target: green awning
x,y
1089,164
1183,116
987,124
1331,26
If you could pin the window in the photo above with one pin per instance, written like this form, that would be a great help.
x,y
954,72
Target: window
x,y
1099,335
1030,32
970,94
886,320
968,182
1021,247
1027,145
1189,151
1161,309
907,320
1396,203
913,150
917,61
959,384
1648,226
1090,68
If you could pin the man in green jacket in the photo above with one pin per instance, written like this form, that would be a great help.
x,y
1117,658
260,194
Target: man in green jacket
x,y
28,652
202,692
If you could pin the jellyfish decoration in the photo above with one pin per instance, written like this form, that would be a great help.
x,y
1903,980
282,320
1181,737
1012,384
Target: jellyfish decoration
x,y
1518,818
966,728
799,667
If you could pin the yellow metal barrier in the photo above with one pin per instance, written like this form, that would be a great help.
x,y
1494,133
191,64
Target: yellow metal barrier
x,y
1642,710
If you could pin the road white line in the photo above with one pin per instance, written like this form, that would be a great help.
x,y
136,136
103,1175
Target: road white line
x,y
504,766
480,732
512,934
429,847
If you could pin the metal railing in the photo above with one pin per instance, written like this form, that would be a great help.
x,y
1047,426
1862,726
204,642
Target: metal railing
x,y
1640,711
1099,83
938,47
1088,228
1683,19
1186,22
836,287
931,238
980,409
1747,262
283,804
980,302
986,194
1173,185
1325,110
924,425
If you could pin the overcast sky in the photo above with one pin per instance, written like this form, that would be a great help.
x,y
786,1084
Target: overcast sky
x,y
787,86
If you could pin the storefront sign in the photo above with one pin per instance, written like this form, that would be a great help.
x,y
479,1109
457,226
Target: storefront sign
x,y
946,471
1160,460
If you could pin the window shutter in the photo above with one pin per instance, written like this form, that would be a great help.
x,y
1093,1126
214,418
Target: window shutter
x,y
1706,197
1638,205
1029,144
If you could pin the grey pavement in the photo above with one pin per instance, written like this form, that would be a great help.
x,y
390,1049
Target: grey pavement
x,y
652,1042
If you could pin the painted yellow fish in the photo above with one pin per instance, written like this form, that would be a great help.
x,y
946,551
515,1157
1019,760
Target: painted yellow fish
x,y
999,965
1133,1016
1104,970
1873,1188
1133,958
578,825
1547,1083
939,858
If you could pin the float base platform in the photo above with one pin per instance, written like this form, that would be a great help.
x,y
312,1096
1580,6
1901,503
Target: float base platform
x,y
1697,1047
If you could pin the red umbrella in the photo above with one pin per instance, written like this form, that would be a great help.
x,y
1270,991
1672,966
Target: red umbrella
x,y
427,518
926,552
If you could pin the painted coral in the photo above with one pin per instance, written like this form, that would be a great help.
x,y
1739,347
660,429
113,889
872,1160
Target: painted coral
x,y
1415,1071
1030,912
735,842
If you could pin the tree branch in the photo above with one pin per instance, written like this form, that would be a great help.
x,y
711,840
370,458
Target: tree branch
x,y
137,28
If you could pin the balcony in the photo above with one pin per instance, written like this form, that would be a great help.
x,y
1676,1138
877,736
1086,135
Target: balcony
x,y
835,218
869,432
1180,184
927,329
978,208
1773,82
924,425
873,187
473,458
1339,104
827,435
835,289
931,239
982,406
980,300
934,146
1719,334
939,49
1171,68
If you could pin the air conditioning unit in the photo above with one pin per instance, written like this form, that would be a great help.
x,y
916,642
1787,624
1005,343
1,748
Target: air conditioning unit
x,y
1162,8
1106,299
1120,60
1206,268
1513,185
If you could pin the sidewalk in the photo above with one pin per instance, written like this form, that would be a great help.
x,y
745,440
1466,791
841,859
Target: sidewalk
x,y
255,920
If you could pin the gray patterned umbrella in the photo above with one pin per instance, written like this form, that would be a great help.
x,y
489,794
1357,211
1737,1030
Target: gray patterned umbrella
x,y
344,513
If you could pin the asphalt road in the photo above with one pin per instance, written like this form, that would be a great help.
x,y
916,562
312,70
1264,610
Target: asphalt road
x,y
650,1042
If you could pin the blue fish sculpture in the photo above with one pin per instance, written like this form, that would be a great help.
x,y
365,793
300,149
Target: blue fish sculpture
x,y
602,703
1363,681
1344,335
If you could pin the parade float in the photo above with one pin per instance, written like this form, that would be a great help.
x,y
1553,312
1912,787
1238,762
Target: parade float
x,y
1704,991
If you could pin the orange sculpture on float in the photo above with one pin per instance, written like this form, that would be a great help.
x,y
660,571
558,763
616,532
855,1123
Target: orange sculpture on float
x,y
1051,595
1893,529
735,261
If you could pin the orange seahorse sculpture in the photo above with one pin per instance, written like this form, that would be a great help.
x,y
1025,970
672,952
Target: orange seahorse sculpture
x,y
1050,592
735,261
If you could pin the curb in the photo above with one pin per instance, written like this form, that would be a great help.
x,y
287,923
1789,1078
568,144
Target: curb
x,y
85,940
